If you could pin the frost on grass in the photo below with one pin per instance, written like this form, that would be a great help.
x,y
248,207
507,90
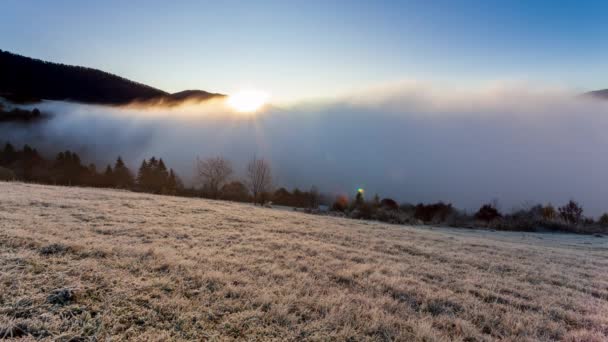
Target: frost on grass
x,y
86,264
54,248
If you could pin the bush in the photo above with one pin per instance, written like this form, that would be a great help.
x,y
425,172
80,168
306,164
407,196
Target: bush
x,y
460,219
234,191
603,221
488,213
6,174
571,212
436,213
389,204
340,204
364,211
549,212
407,208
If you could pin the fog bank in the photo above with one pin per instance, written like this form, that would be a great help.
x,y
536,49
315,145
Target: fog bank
x,y
410,141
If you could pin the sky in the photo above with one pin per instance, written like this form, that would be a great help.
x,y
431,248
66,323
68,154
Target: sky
x,y
296,50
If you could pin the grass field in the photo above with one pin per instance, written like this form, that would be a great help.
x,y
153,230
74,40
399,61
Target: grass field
x,y
86,264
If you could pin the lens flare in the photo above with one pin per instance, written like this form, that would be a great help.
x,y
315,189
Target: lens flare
x,y
247,101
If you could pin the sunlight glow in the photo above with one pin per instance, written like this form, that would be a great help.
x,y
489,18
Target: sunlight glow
x,y
247,101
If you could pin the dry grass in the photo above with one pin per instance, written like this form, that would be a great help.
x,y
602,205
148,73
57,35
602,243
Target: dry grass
x,y
98,264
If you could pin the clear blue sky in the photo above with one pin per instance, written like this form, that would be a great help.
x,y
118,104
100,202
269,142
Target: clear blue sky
x,y
298,49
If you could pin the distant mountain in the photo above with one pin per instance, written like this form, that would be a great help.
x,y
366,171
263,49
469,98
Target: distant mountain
x,y
177,98
24,79
603,94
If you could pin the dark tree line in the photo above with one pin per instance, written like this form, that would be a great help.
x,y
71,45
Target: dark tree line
x,y
297,198
19,115
567,218
154,176
68,169
26,79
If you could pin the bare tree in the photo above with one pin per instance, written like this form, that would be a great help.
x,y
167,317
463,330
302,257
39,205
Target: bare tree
x,y
213,173
259,179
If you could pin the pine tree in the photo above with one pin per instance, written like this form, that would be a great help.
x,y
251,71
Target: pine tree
x,y
162,177
122,175
143,176
376,201
153,163
108,177
359,198
175,181
153,181
172,183
8,155
60,157
75,159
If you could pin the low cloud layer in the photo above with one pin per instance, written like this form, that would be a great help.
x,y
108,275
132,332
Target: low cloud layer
x,y
411,141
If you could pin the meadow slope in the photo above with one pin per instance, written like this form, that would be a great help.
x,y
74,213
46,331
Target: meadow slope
x,y
97,264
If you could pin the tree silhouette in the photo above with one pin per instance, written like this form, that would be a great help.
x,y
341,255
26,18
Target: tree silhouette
x,y
143,176
122,177
235,191
9,155
571,212
108,177
213,173
32,79
488,212
259,179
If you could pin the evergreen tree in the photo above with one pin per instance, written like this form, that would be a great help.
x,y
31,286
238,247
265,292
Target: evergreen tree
x,y
359,198
162,177
376,201
153,163
153,176
108,177
143,176
123,178
29,163
8,155
67,169
173,183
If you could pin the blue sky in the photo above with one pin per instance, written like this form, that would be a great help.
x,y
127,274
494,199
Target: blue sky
x,y
302,49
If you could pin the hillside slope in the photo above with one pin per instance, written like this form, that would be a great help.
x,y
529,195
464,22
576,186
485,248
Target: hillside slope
x,y
87,263
25,79
602,94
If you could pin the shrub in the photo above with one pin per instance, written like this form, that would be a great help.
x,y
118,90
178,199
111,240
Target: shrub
x,y
407,208
389,204
364,211
549,212
340,204
571,212
460,219
437,212
235,191
488,213
603,221
588,221
6,174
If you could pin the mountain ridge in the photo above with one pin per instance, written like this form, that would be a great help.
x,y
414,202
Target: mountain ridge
x,y
602,93
26,79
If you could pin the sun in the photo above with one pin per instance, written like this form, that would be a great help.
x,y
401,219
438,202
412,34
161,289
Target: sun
x,y
247,101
